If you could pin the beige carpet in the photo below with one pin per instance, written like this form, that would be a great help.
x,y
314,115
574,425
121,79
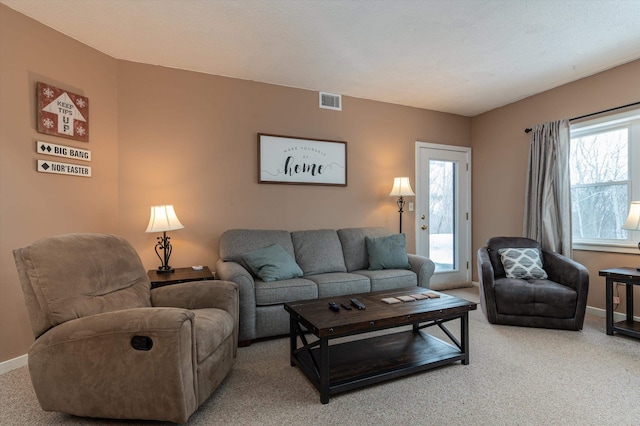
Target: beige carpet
x,y
516,376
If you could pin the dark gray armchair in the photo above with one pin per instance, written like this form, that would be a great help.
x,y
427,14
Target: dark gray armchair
x,y
559,301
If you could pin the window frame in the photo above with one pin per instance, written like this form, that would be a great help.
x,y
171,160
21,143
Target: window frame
x,y
631,120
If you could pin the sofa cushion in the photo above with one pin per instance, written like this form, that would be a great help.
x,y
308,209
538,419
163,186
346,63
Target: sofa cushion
x,y
278,292
236,242
354,246
272,263
524,263
389,279
318,251
340,284
388,252
79,275
213,327
542,298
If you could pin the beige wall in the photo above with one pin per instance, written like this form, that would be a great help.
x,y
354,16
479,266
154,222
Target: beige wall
x,y
190,140
160,135
34,205
500,156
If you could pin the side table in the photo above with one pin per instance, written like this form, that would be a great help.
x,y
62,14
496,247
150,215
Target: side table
x,y
629,277
180,275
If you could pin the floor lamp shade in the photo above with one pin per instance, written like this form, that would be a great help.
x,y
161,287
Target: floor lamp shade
x,y
401,188
163,219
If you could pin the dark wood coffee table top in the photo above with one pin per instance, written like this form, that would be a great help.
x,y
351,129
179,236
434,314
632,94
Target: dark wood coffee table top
x,y
316,316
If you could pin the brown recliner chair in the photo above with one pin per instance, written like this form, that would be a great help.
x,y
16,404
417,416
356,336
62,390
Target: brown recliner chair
x,y
108,346
559,301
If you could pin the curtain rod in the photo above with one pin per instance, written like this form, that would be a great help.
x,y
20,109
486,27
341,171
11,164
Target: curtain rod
x,y
594,113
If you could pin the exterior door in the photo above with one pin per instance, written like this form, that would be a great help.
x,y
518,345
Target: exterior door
x,y
443,212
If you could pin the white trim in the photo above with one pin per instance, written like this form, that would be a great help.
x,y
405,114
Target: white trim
x,y
612,248
617,316
14,363
465,202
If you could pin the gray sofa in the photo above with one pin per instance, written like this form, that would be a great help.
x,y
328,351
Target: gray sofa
x,y
334,263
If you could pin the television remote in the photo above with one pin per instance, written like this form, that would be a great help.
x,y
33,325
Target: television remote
x,y
334,307
358,304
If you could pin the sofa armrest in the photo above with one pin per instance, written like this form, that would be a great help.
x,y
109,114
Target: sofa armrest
x,y
201,295
423,267
566,271
63,365
198,295
486,281
234,272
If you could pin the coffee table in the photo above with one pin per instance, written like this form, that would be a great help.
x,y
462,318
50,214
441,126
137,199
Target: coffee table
x,y
375,357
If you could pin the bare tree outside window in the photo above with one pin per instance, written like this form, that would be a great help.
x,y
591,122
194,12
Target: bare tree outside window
x,y
600,184
442,214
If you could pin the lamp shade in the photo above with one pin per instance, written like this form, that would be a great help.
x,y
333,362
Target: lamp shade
x,y
633,219
401,187
163,218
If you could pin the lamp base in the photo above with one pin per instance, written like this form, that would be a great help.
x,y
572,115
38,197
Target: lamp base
x,y
165,269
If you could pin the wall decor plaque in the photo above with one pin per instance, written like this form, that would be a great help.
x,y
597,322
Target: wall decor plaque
x,y
62,113
301,161
45,166
56,150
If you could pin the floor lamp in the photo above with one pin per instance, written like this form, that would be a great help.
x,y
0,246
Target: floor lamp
x,y
401,188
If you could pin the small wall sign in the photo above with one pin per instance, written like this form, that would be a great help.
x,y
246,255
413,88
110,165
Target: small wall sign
x,y
45,166
47,148
62,113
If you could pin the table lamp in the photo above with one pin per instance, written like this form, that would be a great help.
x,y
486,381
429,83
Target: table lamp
x,y
163,219
633,219
401,188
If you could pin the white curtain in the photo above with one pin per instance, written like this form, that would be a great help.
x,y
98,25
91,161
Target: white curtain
x,y
547,208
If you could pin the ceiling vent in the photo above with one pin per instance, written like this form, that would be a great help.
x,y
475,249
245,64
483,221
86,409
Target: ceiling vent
x,y
330,101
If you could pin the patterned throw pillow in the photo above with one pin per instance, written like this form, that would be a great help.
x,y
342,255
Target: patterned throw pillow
x,y
524,263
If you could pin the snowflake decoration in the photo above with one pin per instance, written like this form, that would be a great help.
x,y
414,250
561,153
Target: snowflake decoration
x,y
48,123
48,92
81,103
81,130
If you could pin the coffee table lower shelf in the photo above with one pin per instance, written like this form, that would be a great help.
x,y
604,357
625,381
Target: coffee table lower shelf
x,y
372,360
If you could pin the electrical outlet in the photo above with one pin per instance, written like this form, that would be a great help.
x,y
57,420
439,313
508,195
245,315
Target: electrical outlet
x,y
616,300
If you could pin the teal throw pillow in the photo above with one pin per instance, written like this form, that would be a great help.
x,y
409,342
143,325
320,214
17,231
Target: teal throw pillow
x,y
387,252
272,263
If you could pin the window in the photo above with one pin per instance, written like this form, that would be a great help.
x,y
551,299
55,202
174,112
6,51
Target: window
x,y
604,154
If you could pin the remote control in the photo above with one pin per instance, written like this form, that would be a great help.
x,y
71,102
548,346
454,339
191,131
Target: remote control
x,y
334,307
345,306
357,304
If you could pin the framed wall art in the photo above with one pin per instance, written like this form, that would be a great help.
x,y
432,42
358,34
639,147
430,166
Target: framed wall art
x,y
62,113
301,161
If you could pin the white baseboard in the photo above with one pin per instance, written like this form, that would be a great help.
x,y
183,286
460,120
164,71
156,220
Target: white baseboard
x,y
12,364
617,316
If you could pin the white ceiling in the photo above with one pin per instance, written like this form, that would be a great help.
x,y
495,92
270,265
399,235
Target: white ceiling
x,y
459,56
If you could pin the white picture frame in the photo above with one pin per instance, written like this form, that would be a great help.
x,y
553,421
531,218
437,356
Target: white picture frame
x,y
301,161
